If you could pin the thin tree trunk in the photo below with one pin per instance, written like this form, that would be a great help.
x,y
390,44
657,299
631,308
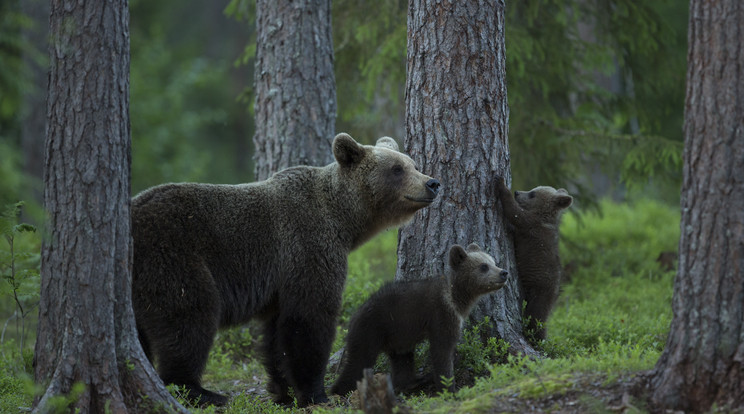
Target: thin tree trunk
x,y
295,85
703,361
86,332
456,120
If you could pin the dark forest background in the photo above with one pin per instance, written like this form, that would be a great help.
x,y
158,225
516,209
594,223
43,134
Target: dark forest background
x,y
595,89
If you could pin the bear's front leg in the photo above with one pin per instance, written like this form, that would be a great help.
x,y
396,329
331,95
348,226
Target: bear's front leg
x,y
509,206
540,300
442,352
272,359
306,340
404,374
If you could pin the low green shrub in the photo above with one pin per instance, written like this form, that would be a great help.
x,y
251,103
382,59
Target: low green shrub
x,y
254,404
476,352
16,377
19,269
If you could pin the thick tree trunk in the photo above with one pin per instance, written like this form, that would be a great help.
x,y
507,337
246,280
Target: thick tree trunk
x,y
703,362
295,86
86,332
456,119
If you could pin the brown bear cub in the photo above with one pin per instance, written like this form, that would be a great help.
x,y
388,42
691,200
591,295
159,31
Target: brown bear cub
x,y
402,314
535,216
212,256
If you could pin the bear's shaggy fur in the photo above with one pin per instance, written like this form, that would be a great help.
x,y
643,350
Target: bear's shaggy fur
x,y
403,314
212,256
535,216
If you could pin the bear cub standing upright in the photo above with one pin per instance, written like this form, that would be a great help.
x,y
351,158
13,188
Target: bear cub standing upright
x,y
402,314
212,256
535,216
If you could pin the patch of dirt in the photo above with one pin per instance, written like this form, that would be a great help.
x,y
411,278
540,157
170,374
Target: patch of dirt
x,y
589,394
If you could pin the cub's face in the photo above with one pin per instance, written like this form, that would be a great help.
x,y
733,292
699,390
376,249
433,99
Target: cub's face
x,y
388,179
544,200
476,269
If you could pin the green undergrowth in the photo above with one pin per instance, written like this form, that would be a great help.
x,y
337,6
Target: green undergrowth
x,y
610,322
617,291
16,373
19,296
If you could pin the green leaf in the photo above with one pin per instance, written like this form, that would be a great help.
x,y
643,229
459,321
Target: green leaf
x,y
24,227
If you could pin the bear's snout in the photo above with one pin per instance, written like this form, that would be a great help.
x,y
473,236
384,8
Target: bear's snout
x,y
433,186
504,275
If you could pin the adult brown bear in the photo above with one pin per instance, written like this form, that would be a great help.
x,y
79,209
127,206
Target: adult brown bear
x,y
212,256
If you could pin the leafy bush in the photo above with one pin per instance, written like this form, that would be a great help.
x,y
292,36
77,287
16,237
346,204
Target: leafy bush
x,y
474,355
19,268
16,373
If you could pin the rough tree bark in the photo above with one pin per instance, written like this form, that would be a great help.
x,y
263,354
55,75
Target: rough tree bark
x,y
86,332
295,86
456,121
703,361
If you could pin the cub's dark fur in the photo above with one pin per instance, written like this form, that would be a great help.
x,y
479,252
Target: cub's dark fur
x,y
403,314
535,216
212,256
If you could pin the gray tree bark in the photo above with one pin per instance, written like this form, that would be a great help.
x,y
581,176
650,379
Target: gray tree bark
x,y
86,332
295,86
456,120
703,361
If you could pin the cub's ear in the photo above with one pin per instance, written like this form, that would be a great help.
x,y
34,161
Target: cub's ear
x,y
347,151
457,255
563,201
473,247
387,142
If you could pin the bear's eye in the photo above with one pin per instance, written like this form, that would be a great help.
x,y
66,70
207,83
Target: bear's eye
x,y
531,194
397,169
484,268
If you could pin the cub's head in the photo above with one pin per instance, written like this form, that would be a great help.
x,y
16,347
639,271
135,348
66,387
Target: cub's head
x,y
544,201
390,187
474,272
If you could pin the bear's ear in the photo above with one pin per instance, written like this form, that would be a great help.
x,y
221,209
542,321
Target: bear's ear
x,y
387,142
563,201
347,151
457,255
473,247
